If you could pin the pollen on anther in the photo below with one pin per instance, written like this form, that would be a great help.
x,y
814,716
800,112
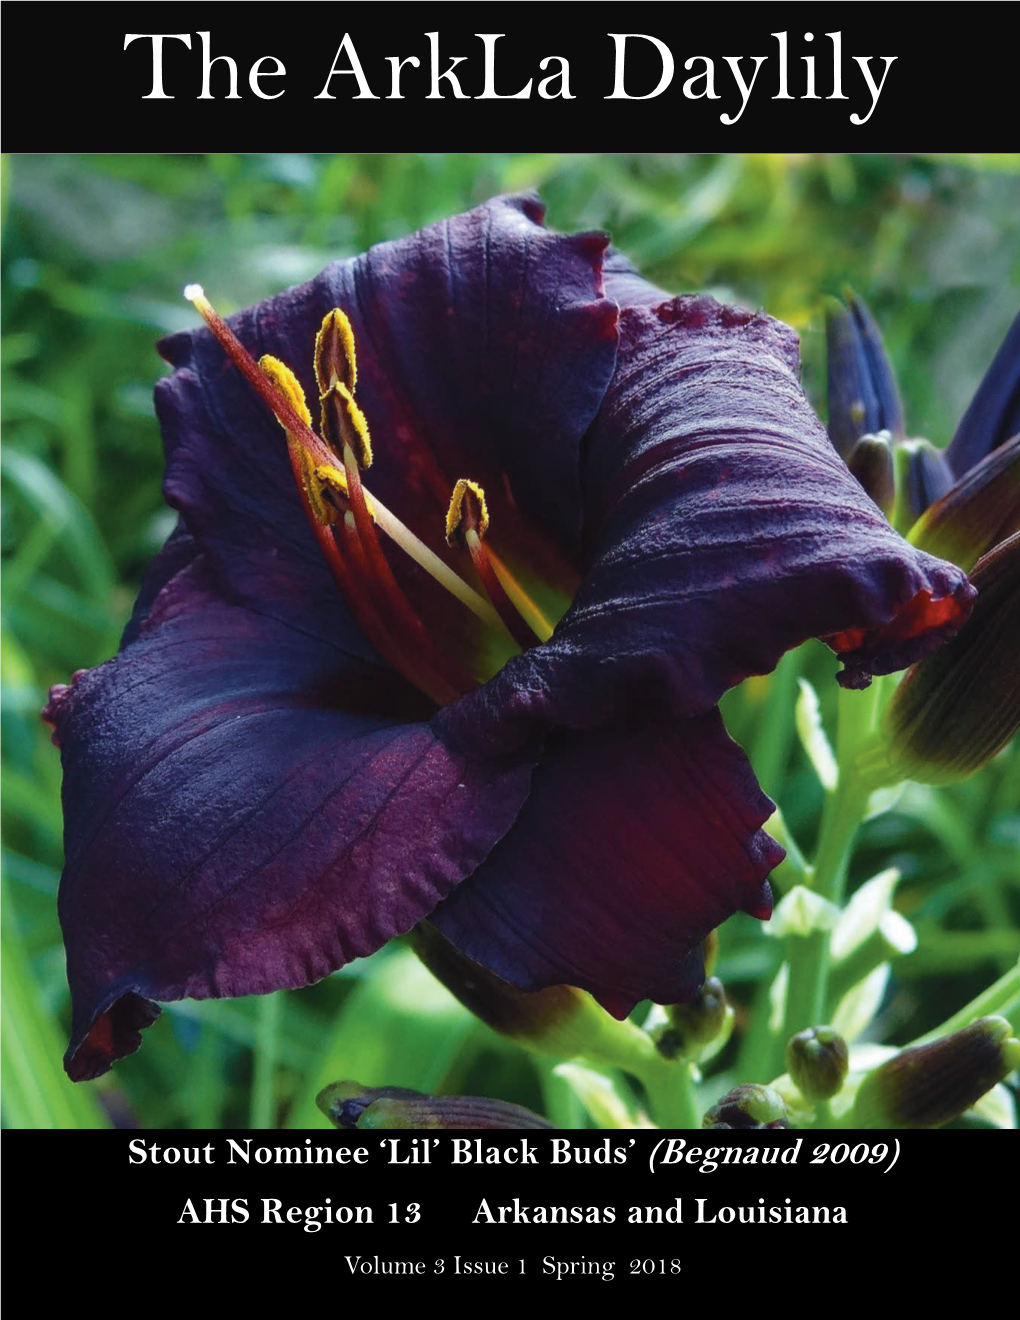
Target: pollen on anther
x,y
335,357
287,383
336,479
344,424
193,292
455,513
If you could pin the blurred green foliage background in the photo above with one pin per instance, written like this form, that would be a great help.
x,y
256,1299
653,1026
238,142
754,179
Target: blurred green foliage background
x,y
96,250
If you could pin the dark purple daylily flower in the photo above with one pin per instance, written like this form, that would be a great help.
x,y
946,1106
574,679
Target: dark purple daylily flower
x,y
256,793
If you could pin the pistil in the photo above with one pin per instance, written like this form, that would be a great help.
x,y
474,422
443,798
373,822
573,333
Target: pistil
x,y
418,671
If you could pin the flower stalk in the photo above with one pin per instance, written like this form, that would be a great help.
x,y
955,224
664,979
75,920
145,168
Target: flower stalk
x,y
844,810
1001,999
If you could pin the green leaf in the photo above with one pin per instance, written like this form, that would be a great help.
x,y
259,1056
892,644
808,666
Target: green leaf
x,y
858,1006
997,1107
37,1093
808,717
863,914
606,1097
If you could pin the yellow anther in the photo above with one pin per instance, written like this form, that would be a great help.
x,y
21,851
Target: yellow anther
x,y
455,513
288,385
343,423
307,474
302,460
336,479
334,352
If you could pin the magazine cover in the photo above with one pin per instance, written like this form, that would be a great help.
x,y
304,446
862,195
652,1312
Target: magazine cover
x,y
510,639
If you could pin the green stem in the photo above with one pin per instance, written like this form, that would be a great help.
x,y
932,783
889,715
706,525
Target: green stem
x,y
845,808
774,739
1001,999
561,1104
793,869
263,1098
843,813
668,1082
806,985
761,1052
671,1093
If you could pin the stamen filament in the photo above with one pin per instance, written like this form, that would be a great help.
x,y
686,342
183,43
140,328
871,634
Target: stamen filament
x,y
434,566
502,604
417,672
525,606
359,602
295,425
467,521
380,574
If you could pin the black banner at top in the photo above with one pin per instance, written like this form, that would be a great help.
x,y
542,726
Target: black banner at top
x,y
415,76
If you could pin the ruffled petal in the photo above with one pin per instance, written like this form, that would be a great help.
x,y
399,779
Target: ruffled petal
x,y
994,412
248,807
484,348
636,842
627,285
724,531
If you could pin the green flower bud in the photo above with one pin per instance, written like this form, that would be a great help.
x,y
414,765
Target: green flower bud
x,y
982,509
350,1105
871,462
959,706
927,1086
747,1106
692,1027
818,1061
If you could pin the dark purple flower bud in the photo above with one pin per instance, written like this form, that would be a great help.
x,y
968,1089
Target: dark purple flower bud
x,y
930,1085
994,412
959,707
351,1105
871,462
818,1061
982,509
863,398
922,476
747,1106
